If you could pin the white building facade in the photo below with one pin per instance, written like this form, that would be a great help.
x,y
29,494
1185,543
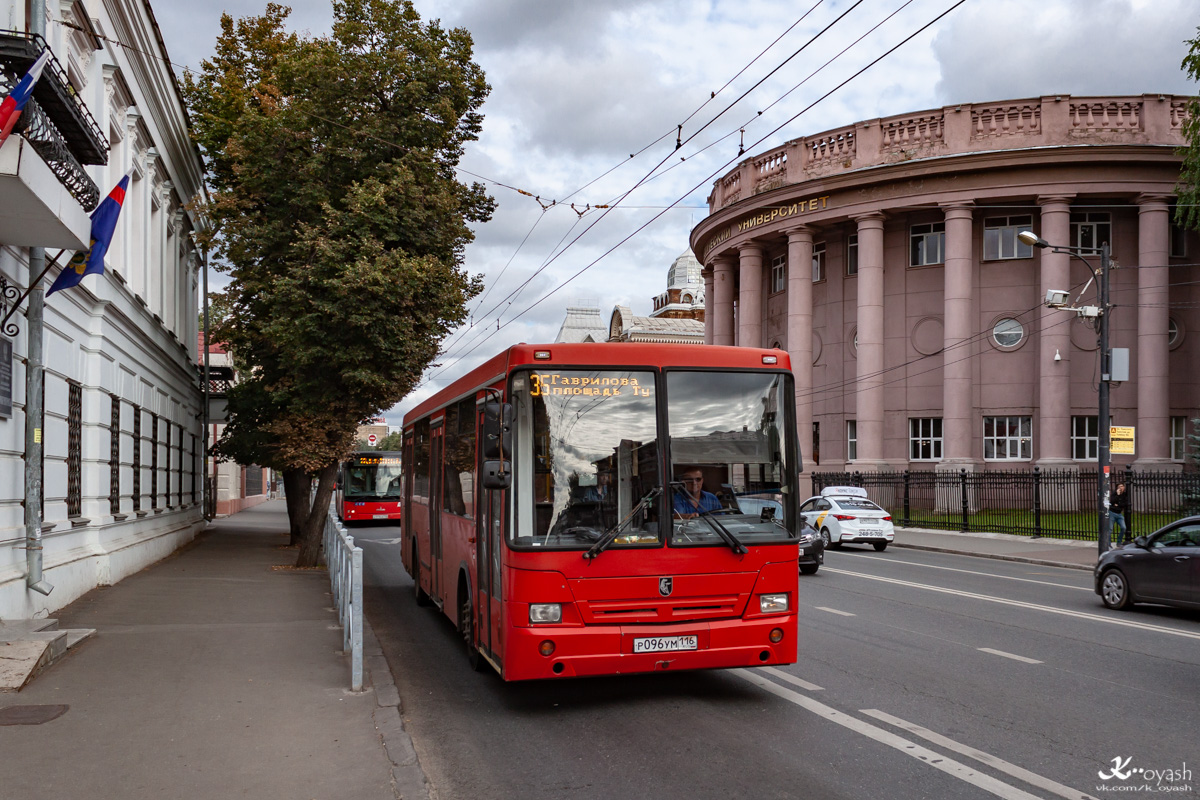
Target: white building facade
x,y
122,431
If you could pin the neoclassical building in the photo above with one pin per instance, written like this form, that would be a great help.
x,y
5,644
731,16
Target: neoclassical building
x,y
883,256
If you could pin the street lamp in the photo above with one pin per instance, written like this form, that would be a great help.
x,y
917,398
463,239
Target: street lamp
x,y
1058,299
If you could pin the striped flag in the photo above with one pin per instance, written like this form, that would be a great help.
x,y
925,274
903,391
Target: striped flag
x,y
14,104
104,224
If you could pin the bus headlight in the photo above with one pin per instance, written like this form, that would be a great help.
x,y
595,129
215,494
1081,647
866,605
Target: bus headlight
x,y
773,603
545,613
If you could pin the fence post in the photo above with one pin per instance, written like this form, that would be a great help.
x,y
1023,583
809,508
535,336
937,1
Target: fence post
x,y
907,514
1037,503
962,482
856,479
1128,481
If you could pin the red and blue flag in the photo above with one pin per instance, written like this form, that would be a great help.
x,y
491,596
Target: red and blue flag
x,y
104,224
14,104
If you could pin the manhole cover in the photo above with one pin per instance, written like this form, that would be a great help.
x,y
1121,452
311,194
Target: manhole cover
x,y
30,715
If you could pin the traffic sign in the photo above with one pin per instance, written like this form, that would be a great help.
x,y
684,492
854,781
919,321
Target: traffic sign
x,y
371,439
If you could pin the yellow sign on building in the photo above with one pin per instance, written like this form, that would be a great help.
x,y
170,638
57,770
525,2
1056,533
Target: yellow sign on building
x,y
1120,440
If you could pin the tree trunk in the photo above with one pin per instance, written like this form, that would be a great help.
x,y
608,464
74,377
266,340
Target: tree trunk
x,y
297,486
314,524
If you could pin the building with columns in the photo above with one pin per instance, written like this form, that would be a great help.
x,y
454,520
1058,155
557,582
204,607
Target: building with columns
x,y
883,256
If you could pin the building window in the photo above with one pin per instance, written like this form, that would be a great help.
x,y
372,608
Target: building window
x,y
195,467
1007,438
818,262
851,439
778,274
925,439
927,244
114,455
1172,332
1008,332
852,254
1178,241
1085,438
74,449
154,461
137,458
1178,438
1090,229
816,444
1000,237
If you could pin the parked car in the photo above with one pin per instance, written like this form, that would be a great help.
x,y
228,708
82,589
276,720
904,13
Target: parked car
x,y
812,549
843,515
1162,568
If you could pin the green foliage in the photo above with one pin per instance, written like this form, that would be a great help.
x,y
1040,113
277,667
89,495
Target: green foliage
x,y
340,218
393,441
1187,212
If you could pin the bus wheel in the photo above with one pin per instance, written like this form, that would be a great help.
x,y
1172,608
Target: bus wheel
x,y
422,595
467,627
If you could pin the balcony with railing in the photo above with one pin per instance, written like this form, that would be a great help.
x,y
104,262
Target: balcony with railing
x,y
45,192
1051,121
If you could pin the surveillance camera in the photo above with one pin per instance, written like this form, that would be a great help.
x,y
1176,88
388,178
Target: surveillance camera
x,y
1056,298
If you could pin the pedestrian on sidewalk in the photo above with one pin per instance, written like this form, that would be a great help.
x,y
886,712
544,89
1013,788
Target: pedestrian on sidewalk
x,y
1118,509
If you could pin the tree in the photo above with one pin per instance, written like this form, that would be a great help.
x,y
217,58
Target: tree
x,y
393,441
341,223
1187,210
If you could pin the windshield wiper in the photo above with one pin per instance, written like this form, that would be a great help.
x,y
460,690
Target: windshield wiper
x,y
727,535
612,533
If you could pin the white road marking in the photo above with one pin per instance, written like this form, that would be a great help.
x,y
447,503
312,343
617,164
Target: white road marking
x,y
936,760
1008,655
1021,604
835,611
1032,778
792,679
891,560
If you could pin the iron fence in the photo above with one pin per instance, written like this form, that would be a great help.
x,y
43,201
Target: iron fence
x,y
1037,502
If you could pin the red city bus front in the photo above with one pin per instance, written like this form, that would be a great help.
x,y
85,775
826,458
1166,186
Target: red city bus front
x,y
628,508
369,487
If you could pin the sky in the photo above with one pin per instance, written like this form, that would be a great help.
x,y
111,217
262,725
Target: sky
x,y
588,96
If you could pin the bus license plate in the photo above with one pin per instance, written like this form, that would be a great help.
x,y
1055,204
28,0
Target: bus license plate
x,y
662,644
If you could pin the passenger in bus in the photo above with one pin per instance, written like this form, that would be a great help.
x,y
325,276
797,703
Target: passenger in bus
x,y
691,500
602,491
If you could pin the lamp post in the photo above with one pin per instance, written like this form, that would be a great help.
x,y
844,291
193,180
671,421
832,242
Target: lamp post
x,y
1058,299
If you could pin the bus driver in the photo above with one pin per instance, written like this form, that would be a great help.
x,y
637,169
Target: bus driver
x,y
691,500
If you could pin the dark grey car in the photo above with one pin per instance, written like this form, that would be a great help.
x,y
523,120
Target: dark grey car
x,y
1162,568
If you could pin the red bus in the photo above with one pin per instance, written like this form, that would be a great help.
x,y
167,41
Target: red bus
x,y
369,487
600,509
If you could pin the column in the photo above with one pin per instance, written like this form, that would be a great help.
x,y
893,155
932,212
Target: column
x,y
869,394
750,312
707,274
800,329
958,418
1053,429
1153,350
722,302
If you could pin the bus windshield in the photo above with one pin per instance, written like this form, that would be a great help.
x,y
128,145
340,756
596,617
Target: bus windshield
x,y
377,482
585,455
731,459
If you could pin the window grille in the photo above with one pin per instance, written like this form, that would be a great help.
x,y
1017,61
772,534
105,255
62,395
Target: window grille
x,y
114,455
137,458
154,461
74,449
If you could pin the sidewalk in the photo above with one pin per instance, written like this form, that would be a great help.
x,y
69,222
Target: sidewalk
x,y
212,675
1044,551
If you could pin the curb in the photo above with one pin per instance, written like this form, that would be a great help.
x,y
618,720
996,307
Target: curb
x,y
408,778
1020,559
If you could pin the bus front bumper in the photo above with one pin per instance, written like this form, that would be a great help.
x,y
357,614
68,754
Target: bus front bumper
x,y
610,649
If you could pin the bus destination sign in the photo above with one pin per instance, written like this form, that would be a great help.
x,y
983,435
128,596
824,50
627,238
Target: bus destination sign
x,y
550,383
376,461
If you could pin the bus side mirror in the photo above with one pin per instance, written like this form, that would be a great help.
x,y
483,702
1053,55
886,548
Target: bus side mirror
x,y
497,430
496,475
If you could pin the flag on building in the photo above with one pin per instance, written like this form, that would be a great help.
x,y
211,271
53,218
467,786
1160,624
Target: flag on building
x,y
14,104
104,224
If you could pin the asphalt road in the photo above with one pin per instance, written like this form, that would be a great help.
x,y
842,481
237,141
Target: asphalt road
x,y
921,675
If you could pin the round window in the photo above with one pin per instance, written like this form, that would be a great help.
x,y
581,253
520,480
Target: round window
x,y
1008,332
1172,332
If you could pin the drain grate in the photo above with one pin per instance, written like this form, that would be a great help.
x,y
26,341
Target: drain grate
x,y
31,715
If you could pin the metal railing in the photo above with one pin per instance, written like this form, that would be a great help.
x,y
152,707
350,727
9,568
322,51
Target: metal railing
x,y
1037,502
346,577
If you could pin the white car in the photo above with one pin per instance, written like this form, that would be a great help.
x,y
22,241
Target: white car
x,y
843,514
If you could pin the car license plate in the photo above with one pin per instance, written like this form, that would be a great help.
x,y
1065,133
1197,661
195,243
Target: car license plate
x,y
662,644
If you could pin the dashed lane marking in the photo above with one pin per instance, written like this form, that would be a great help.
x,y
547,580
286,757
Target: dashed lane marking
x,y
1008,655
792,679
835,611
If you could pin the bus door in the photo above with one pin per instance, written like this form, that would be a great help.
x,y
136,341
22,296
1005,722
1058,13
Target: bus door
x,y
435,513
489,537
407,535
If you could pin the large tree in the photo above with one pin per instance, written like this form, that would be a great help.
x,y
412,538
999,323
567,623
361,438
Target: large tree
x,y
1187,211
340,221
